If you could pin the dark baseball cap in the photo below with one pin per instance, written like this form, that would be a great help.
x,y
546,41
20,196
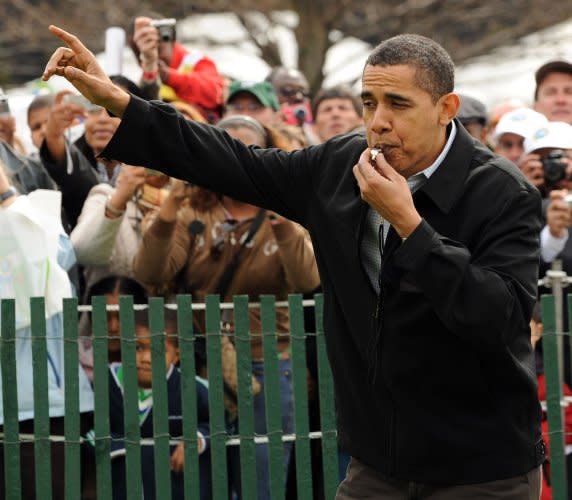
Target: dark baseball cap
x,y
557,66
472,110
263,91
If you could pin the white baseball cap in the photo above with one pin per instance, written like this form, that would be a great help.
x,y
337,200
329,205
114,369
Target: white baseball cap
x,y
553,135
521,121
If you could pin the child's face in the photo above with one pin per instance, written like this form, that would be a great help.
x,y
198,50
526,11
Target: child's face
x,y
143,356
535,332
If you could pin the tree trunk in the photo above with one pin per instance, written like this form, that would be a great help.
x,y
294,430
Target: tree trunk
x,y
312,35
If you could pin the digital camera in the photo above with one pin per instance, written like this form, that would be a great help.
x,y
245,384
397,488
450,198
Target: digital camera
x,y
166,28
4,106
554,167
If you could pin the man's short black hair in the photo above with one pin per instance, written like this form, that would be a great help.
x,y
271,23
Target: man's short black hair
x,y
41,102
435,71
557,66
337,92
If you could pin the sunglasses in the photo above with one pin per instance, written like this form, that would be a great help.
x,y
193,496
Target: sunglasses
x,y
294,91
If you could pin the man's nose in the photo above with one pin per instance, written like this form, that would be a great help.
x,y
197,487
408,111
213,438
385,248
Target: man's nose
x,y
381,120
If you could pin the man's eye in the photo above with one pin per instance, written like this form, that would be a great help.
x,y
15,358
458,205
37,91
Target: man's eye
x,y
368,104
398,104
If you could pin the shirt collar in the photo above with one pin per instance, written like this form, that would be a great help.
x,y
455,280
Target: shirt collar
x,y
430,170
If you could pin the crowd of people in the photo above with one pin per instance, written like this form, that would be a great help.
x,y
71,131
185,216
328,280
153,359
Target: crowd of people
x,y
128,229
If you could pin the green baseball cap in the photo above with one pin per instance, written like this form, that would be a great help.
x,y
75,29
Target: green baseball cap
x,y
263,91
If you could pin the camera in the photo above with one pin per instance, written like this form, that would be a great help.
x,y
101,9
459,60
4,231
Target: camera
x,y
77,99
4,106
554,167
166,28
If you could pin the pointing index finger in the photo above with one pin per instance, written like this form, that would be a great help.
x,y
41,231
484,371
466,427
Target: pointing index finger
x,y
70,40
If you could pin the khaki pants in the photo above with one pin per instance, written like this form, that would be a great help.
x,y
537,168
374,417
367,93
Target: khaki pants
x,y
364,483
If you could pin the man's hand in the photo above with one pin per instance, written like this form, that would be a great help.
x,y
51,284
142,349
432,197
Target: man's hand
x,y
387,192
178,458
79,66
558,214
532,168
146,38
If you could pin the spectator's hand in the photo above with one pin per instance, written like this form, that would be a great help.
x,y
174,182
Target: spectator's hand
x,y
558,214
146,38
79,66
62,115
178,458
164,71
179,192
129,181
387,192
531,167
4,183
7,129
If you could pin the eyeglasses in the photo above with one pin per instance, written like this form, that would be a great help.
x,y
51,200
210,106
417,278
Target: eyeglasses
x,y
294,92
253,107
94,110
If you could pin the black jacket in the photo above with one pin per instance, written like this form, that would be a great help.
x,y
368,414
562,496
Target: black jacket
x,y
440,387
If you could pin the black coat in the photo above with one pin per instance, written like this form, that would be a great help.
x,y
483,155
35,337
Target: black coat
x,y
441,387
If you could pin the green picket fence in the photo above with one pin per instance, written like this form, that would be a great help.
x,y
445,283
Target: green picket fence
x,y
554,394
219,438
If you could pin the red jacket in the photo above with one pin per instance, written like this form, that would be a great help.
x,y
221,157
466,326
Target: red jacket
x,y
193,78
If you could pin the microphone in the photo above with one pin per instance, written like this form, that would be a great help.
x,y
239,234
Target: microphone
x,y
196,227
300,113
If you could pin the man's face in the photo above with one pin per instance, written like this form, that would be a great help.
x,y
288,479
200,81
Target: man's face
x,y
143,356
477,130
334,117
166,51
554,98
37,120
291,89
401,118
244,103
510,146
99,128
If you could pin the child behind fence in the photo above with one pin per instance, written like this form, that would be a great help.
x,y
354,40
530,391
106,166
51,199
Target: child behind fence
x,y
145,401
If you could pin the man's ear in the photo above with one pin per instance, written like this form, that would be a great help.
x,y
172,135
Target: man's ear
x,y
449,105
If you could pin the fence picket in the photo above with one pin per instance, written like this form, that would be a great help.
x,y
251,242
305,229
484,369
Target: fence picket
x,y
245,397
216,405
71,388
13,489
160,403
272,397
188,396
42,448
303,464
131,399
553,396
102,441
